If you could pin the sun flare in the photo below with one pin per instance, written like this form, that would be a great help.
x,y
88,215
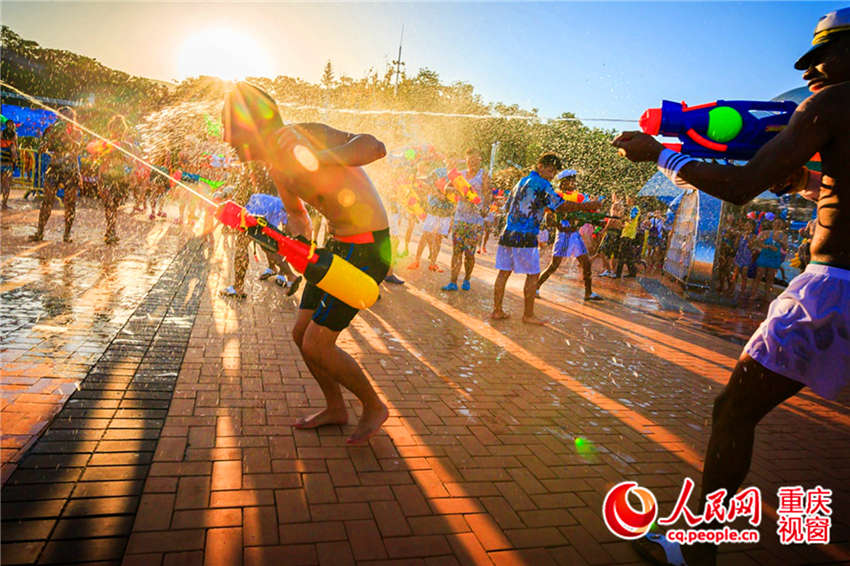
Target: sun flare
x,y
223,53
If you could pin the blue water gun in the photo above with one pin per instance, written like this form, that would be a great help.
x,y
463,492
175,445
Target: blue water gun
x,y
725,129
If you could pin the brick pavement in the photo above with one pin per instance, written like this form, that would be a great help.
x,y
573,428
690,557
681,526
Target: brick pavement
x,y
96,453
62,305
477,463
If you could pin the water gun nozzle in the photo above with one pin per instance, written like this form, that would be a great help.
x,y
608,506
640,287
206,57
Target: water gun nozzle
x,y
650,121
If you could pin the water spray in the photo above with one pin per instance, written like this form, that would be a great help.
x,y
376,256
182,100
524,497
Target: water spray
x,y
327,271
296,106
212,204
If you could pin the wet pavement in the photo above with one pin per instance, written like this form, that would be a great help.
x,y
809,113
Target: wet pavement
x,y
62,306
477,464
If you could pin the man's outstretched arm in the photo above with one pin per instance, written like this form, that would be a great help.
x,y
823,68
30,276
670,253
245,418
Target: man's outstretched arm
x,y
808,131
335,147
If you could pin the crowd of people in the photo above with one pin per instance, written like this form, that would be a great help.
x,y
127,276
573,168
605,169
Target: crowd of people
x,y
423,197
750,255
74,163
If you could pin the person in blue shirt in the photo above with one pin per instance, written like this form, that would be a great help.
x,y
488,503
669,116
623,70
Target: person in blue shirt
x,y
517,250
569,242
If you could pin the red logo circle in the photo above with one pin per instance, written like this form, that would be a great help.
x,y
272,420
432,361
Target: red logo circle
x,y
621,518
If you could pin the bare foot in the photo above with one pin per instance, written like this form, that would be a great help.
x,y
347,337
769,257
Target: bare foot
x,y
533,320
370,423
322,418
499,315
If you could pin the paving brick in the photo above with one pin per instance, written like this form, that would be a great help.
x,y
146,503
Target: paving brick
x,y
416,546
467,549
334,554
589,549
390,519
226,475
154,512
411,500
295,555
242,498
365,540
160,485
110,473
365,493
223,547
169,541
316,531
453,505
100,506
21,552
24,476
523,556
340,511
83,550
319,488
260,526
272,481
201,436
291,506
14,531
193,492
342,473
27,493
189,558
148,559
180,469
170,449
87,527
541,536
438,525
33,509
206,518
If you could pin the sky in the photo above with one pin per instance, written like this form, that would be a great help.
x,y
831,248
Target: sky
x,y
596,60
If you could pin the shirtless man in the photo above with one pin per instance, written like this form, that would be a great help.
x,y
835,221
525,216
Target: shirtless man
x,y
804,339
321,166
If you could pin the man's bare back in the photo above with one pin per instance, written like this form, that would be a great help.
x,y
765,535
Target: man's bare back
x,y
343,194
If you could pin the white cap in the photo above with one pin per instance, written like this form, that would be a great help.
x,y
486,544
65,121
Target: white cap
x,y
565,174
826,31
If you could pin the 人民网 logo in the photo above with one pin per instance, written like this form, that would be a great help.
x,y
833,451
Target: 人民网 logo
x,y
619,515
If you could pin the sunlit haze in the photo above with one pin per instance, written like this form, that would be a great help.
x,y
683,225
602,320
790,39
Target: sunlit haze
x,y
594,60
223,53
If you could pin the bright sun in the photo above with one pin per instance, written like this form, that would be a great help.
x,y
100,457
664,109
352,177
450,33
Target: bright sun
x,y
222,53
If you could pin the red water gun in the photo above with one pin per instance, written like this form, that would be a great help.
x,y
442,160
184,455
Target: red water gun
x,y
325,270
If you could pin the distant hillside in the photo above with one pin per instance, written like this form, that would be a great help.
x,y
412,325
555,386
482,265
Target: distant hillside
x,y
419,109
60,74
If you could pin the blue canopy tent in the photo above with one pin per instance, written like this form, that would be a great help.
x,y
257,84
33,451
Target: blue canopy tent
x,y
28,121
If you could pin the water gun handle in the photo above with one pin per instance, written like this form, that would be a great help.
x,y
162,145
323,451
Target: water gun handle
x,y
322,268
